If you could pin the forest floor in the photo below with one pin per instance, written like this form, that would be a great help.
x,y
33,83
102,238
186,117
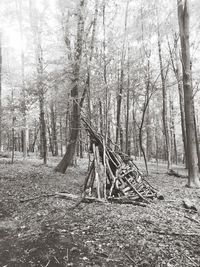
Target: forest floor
x,y
48,231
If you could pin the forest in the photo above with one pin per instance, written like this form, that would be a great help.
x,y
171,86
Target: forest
x,y
99,133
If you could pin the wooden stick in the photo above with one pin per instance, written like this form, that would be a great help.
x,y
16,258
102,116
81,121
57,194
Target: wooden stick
x,y
96,170
136,190
104,176
129,257
192,219
126,201
33,198
88,176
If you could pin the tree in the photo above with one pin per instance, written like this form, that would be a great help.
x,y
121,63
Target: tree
x,y
0,90
177,74
121,83
75,114
23,92
36,28
183,19
165,105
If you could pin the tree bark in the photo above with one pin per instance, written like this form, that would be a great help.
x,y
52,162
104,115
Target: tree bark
x,y
165,110
0,91
183,18
173,133
127,150
176,69
23,92
40,84
121,84
54,130
75,115
61,136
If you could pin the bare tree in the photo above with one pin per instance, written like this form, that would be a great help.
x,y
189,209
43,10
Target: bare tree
x,y
177,74
23,92
165,104
35,24
121,83
75,115
183,18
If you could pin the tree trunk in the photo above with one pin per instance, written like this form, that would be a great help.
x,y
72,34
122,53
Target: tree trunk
x,y
101,117
0,91
43,142
54,130
121,83
40,84
183,18
148,122
23,92
176,69
165,110
87,87
127,150
197,140
13,128
173,133
75,116
61,137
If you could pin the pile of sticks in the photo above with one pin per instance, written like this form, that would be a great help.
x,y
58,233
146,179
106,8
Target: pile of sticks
x,y
113,176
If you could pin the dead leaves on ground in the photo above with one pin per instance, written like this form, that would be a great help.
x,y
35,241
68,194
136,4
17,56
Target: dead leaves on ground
x,y
46,230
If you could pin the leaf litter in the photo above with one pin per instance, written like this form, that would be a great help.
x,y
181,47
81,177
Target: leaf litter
x,y
47,231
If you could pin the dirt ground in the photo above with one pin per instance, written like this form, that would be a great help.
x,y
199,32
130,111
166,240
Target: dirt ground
x,y
40,230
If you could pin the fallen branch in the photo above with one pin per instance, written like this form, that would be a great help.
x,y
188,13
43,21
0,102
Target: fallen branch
x,y
83,199
192,219
129,257
126,201
135,190
34,198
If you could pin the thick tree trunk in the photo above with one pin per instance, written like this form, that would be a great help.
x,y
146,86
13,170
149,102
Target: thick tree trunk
x,y
183,17
75,115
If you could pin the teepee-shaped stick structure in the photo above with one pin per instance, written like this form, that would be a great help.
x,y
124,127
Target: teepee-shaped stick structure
x,y
113,176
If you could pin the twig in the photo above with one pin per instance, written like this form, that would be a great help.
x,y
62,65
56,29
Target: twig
x,y
196,264
136,190
56,259
67,255
192,219
129,257
33,198
127,201
47,263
